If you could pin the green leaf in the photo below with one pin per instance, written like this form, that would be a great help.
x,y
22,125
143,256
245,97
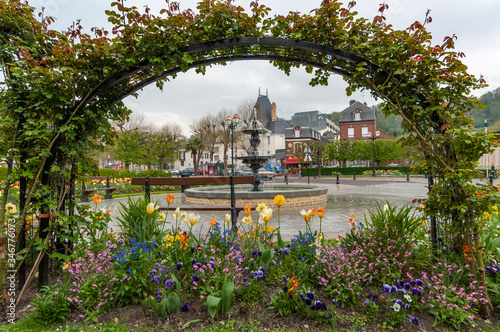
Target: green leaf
x,y
212,305
173,303
144,305
191,322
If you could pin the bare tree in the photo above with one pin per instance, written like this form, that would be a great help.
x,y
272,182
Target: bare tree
x,y
246,111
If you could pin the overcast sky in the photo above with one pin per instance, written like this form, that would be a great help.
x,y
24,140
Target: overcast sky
x,y
191,96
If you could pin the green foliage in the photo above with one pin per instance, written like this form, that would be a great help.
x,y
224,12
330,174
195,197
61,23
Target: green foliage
x,y
51,306
219,305
140,225
491,112
403,222
351,170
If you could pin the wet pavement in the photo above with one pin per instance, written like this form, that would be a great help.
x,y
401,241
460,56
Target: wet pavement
x,y
349,196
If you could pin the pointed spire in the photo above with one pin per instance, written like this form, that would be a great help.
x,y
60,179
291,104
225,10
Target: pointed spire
x,y
267,93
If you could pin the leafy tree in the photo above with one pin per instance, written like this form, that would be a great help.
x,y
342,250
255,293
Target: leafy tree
x,y
195,146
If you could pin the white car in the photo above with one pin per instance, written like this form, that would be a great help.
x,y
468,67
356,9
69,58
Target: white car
x,y
265,174
173,171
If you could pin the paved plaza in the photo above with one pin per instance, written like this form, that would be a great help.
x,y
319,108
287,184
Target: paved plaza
x,y
349,196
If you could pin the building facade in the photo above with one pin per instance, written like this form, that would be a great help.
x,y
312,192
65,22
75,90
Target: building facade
x,y
358,121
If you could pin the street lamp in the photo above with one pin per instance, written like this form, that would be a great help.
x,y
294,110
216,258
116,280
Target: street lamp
x,y
307,151
373,138
232,123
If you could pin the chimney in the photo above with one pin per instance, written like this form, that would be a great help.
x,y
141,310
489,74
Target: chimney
x,y
274,117
352,101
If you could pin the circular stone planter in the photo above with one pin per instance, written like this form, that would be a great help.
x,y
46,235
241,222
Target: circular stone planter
x,y
295,195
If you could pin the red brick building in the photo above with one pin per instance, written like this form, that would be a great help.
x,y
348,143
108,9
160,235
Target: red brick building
x,y
357,121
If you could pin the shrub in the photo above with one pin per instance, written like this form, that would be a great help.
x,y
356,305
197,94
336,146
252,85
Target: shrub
x,y
51,306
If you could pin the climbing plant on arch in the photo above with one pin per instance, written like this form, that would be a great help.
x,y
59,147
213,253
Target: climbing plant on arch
x,y
62,89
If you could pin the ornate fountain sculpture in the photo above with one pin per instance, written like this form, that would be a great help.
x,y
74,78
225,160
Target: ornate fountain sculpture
x,y
254,161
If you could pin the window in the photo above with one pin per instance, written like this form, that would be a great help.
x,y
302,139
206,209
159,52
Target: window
x,y
182,162
206,155
297,148
216,149
364,132
297,133
268,140
350,132
281,140
357,115
183,156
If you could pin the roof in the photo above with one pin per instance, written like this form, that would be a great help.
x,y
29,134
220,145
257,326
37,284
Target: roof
x,y
367,114
278,127
306,132
264,109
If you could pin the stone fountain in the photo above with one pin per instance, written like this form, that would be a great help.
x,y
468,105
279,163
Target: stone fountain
x,y
254,161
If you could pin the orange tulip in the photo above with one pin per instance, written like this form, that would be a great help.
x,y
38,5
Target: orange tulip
x,y
213,222
97,199
170,198
321,212
313,211
247,208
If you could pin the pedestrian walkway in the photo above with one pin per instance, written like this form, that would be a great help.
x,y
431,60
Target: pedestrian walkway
x,y
348,197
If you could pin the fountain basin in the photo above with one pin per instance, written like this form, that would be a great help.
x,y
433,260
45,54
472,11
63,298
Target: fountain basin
x,y
295,195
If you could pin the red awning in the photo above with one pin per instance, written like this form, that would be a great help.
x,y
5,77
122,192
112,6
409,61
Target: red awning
x,y
292,160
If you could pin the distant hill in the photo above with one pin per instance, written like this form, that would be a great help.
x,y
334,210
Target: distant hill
x,y
491,113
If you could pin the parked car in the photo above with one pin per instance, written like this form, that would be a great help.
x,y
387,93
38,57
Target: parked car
x,y
243,171
265,174
173,171
186,172
358,165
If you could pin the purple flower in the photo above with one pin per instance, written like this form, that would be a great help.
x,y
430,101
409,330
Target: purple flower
x,y
394,289
169,283
416,291
195,278
414,321
257,252
310,295
329,316
407,306
178,266
157,280
185,308
419,282
159,298
193,261
407,286
152,273
386,288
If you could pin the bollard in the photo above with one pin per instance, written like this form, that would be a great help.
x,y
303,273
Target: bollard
x,y
286,178
408,176
337,178
354,176
491,178
426,175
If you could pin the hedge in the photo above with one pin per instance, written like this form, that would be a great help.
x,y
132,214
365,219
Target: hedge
x,y
352,170
125,173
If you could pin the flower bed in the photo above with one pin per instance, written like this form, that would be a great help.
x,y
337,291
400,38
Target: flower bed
x,y
372,276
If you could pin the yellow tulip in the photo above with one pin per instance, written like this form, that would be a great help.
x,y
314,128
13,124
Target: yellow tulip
x,y
268,214
162,217
10,208
176,213
150,208
228,218
247,220
279,200
261,207
193,219
321,212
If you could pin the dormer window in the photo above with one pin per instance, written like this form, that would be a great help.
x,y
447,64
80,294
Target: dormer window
x,y
357,115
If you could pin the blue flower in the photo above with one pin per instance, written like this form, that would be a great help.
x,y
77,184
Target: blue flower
x,y
419,282
185,308
169,283
310,295
159,298
407,286
414,321
129,270
178,266
195,278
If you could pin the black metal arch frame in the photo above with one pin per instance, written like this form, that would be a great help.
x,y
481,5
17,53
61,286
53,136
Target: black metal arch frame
x,y
328,58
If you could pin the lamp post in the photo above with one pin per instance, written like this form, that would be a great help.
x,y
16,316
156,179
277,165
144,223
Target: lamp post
x,y
373,138
232,123
307,151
